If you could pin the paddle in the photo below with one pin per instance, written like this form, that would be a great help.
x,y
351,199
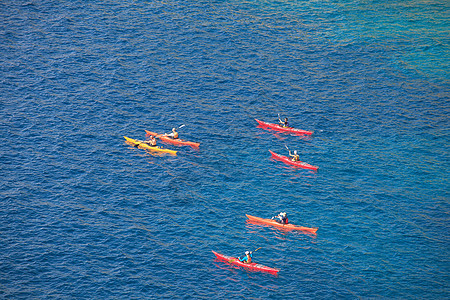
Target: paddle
x,y
231,260
256,249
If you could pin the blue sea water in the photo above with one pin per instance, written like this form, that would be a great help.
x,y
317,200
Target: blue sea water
x,y
86,216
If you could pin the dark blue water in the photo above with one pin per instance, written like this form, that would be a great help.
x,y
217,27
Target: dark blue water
x,y
83,215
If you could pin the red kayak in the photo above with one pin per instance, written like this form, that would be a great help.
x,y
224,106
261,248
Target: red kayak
x,y
251,266
281,128
289,161
283,226
168,139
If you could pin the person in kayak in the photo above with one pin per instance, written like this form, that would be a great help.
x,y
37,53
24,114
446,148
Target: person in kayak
x,y
281,218
247,259
284,123
151,141
173,134
295,156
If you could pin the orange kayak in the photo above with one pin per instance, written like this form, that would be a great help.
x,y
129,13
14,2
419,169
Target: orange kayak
x,y
251,266
168,139
279,225
277,127
289,161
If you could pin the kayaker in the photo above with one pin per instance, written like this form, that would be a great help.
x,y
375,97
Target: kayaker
x,y
247,259
151,141
173,134
281,218
284,123
295,156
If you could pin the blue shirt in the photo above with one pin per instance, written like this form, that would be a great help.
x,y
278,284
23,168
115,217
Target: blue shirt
x,y
245,257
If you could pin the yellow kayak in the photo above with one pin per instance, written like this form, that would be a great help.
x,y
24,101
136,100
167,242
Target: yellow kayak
x,y
143,145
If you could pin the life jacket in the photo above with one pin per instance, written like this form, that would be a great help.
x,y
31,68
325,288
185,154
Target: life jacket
x,y
175,135
249,259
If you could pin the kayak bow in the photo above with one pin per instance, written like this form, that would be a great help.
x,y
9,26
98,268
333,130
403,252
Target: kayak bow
x,y
167,139
289,161
251,266
283,226
142,145
266,125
